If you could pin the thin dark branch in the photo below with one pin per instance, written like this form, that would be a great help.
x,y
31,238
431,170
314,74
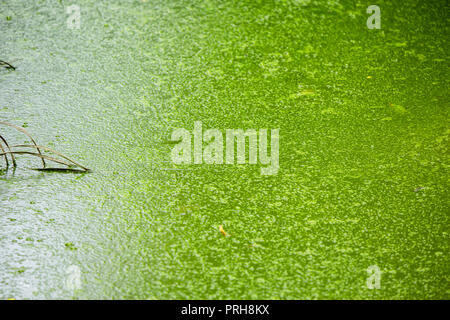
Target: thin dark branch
x,y
3,150
52,151
27,134
38,155
12,155
72,165
7,65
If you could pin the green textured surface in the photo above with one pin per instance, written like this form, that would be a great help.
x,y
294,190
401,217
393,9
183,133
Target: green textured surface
x,y
363,119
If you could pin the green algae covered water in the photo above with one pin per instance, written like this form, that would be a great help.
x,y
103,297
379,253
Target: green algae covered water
x,y
363,121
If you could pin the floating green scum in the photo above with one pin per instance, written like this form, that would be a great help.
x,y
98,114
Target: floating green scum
x,y
358,208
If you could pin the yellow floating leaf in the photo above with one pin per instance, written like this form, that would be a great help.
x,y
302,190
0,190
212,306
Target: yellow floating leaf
x,y
222,231
307,92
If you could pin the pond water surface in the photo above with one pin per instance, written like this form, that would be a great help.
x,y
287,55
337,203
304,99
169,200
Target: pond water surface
x,y
364,131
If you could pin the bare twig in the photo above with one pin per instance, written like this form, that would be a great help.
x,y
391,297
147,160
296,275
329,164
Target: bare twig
x,y
3,150
37,155
7,65
72,170
53,151
67,161
12,156
27,134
